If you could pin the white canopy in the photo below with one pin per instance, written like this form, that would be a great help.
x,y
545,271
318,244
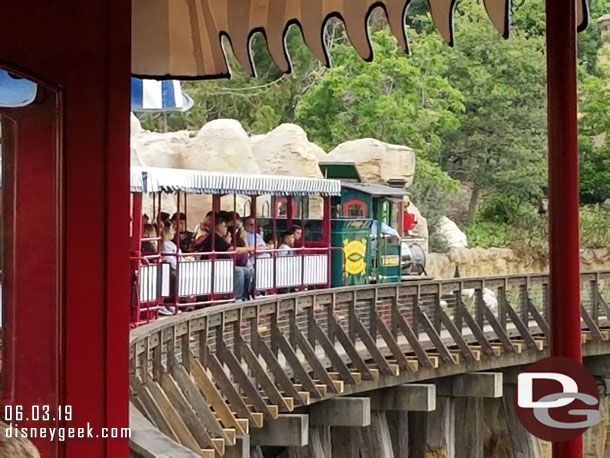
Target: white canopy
x,y
151,179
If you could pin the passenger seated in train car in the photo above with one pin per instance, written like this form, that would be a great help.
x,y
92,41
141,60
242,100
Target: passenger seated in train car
x,y
202,230
162,219
298,235
286,247
243,275
238,238
145,219
234,219
187,240
149,247
270,245
252,235
169,250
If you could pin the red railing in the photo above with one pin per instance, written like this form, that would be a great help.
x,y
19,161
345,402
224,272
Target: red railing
x,y
207,278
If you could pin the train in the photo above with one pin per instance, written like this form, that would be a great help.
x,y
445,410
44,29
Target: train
x,y
259,235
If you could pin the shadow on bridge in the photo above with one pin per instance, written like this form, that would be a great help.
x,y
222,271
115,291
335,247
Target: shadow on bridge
x,y
276,372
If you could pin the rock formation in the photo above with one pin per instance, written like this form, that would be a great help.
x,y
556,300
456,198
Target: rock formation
x,y
480,262
220,145
451,233
286,150
223,145
377,162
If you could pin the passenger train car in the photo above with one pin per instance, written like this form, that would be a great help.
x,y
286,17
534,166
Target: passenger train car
x,y
351,234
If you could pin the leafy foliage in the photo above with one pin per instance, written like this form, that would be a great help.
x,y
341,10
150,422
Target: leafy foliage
x,y
594,224
500,143
594,135
394,99
431,190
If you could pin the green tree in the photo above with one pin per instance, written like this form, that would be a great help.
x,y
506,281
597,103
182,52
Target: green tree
x,y
396,99
594,134
500,144
529,18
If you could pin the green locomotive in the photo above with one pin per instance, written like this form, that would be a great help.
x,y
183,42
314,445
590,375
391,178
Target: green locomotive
x,y
367,230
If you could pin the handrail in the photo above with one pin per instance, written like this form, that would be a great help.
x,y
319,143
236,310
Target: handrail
x,y
372,336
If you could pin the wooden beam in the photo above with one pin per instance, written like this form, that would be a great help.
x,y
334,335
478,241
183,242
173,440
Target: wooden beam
x,y
192,422
351,351
371,346
148,442
474,384
347,411
412,397
299,371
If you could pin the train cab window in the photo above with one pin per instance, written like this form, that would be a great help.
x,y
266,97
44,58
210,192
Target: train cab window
x,y
394,215
355,210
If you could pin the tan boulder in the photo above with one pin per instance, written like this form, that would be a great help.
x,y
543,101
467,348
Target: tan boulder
x,y
451,233
220,145
377,161
155,149
286,150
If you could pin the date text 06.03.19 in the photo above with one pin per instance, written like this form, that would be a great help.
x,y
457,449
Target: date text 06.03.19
x,y
41,413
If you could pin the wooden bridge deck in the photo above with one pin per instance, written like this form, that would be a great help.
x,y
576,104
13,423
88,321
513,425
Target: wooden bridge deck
x,y
207,377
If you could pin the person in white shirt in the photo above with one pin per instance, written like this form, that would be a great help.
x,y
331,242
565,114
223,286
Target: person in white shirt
x,y
170,253
252,237
286,247
169,250
270,245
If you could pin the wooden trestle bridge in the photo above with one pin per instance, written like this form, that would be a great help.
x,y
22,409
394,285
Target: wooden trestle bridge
x,y
225,378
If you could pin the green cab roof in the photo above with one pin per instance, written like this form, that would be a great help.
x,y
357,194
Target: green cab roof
x,y
340,171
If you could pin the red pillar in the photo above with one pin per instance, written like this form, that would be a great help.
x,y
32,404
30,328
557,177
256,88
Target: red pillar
x,y
563,191
67,297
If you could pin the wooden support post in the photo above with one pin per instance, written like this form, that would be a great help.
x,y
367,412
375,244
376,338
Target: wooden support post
x,y
440,429
417,434
522,442
345,442
376,441
469,434
398,422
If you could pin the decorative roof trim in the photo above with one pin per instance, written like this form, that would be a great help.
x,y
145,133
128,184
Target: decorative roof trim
x,y
182,38
151,179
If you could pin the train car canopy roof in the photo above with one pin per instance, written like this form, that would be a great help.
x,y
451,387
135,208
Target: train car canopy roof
x,y
152,179
182,38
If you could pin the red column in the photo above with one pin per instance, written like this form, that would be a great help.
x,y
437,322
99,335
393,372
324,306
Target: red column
x,y
71,323
563,191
